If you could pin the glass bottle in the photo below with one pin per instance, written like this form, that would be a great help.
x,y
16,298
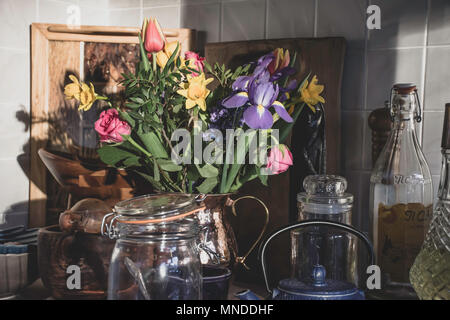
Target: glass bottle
x,y
430,274
401,196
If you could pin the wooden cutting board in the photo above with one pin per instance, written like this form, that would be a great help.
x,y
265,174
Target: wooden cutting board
x,y
323,57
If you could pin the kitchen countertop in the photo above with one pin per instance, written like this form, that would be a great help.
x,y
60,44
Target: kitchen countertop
x,y
37,291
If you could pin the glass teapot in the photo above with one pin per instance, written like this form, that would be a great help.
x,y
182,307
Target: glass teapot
x,y
315,287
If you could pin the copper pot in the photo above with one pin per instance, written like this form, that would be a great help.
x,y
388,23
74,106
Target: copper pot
x,y
217,238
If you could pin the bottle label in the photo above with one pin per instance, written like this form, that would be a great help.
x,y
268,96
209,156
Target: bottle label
x,y
413,179
401,231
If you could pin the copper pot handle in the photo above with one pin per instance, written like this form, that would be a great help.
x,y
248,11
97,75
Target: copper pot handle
x,y
232,203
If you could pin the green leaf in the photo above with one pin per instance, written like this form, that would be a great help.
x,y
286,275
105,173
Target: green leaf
x,y
150,179
125,116
208,171
132,105
192,173
177,108
168,165
153,145
287,127
111,155
131,162
171,59
208,185
144,57
207,66
156,174
262,177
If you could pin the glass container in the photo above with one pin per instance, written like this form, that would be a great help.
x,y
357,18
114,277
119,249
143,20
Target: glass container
x,y
401,195
156,255
430,273
324,198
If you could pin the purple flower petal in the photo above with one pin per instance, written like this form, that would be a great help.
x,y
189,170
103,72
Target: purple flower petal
x,y
236,100
263,62
241,83
287,71
263,94
291,85
279,108
258,117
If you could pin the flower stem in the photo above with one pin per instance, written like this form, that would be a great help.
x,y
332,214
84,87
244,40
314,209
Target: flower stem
x,y
148,154
135,144
154,61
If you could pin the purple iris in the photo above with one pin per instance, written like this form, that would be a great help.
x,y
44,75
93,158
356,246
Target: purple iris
x,y
260,97
284,92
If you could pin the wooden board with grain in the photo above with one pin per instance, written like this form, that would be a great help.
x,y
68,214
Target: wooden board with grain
x,y
55,53
323,57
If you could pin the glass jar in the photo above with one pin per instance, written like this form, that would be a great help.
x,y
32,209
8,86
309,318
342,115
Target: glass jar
x,y
156,254
401,195
324,198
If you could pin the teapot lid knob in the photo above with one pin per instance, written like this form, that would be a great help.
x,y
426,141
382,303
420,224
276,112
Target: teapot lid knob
x,y
318,275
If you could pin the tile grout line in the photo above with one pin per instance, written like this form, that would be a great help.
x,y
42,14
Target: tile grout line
x,y
266,19
316,10
220,21
365,89
424,72
37,10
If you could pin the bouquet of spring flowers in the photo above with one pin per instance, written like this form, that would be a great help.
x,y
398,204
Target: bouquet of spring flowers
x,y
183,136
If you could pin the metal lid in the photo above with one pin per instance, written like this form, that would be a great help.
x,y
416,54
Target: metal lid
x,y
319,287
325,194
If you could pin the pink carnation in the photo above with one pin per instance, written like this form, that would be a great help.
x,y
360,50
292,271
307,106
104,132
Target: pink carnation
x,y
195,62
279,160
110,127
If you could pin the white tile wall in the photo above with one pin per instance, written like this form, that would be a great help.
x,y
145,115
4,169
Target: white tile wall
x,y
243,20
290,18
412,46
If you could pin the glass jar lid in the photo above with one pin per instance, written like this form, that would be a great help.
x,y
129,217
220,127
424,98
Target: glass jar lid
x,y
325,194
160,215
156,207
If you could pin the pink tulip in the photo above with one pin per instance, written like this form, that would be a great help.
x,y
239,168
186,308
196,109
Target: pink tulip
x,y
110,127
195,62
154,38
279,160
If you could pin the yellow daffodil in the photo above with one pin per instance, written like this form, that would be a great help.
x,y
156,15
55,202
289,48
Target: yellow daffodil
x,y
195,91
81,92
163,56
72,90
87,96
310,94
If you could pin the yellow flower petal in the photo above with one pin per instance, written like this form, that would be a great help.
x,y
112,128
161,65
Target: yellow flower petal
x,y
161,59
202,104
183,92
170,48
190,104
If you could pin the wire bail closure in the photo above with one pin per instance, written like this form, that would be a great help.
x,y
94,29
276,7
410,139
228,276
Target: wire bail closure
x,y
417,112
109,229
